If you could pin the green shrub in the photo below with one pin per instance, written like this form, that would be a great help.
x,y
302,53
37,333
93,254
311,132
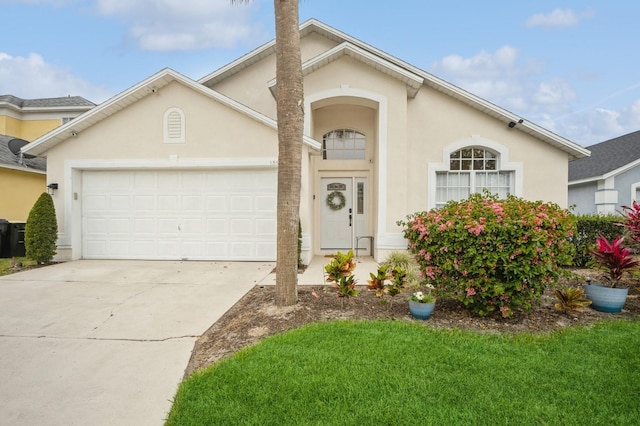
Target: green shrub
x,y
300,263
492,255
588,227
41,230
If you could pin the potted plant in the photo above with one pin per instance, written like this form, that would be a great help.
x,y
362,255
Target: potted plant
x,y
422,304
616,261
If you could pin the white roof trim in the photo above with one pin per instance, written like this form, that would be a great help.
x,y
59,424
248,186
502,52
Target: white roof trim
x,y
132,95
414,82
608,175
22,169
572,149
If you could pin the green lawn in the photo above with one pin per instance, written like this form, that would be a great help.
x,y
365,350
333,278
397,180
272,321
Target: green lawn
x,y
402,373
5,265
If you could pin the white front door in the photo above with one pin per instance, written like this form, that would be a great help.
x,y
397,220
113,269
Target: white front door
x,y
343,213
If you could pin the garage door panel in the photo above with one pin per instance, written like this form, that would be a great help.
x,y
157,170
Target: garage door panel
x,y
168,202
144,202
145,226
265,228
121,226
154,214
95,203
169,226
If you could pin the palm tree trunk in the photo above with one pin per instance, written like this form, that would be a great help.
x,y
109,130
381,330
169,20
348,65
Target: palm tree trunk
x,y
290,107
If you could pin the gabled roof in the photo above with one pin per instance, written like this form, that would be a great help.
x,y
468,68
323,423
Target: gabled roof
x,y
145,88
607,159
413,81
67,102
9,160
572,149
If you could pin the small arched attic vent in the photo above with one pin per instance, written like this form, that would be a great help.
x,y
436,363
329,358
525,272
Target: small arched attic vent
x,y
173,126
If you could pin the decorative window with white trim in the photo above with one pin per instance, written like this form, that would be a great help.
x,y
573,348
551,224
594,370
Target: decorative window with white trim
x,y
472,169
344,144
173,126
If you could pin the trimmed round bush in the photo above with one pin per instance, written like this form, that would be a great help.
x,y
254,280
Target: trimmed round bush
x,y
41,230
493,255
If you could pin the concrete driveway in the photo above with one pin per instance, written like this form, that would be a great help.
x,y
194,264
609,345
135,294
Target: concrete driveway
x,y
106,342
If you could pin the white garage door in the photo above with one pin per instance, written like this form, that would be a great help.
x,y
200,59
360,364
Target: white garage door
x,y
195,215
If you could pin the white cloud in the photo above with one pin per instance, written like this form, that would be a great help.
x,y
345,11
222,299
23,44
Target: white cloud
x,y
555,95
498,77
517,85
32,77
558,18
170,25
594,125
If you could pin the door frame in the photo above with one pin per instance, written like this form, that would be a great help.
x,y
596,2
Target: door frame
x,y
319,200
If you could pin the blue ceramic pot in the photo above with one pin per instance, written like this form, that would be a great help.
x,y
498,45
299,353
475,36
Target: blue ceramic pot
x,y
606,299
421,310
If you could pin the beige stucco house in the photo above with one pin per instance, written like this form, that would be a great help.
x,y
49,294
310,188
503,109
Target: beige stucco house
x,y
179,169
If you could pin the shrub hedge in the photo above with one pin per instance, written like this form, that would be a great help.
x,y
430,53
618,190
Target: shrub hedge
x,y
41,230
588,227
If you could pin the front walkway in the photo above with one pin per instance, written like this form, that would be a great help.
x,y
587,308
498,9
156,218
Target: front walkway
x,y
314,274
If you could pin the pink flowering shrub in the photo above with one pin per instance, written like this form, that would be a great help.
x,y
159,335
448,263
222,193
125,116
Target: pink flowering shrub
x,y
492,255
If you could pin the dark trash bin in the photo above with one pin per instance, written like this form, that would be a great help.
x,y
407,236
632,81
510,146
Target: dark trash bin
x,y
16,240
4,238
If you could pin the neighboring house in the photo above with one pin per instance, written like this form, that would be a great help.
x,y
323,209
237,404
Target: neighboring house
x,y
29,119
22,180
607,180
177,169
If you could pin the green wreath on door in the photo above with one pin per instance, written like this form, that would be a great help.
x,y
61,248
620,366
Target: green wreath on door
x,y
336,200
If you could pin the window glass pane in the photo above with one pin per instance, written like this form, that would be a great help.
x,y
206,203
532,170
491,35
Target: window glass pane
x,y
489,154
467,152
455,154
360,198
478,153
466,164
490,165
454,165
478,164
344,144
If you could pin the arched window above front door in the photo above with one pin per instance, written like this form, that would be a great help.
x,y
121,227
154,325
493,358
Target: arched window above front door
x,y
344,144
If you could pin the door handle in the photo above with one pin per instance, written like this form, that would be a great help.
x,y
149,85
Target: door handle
x,y
350,216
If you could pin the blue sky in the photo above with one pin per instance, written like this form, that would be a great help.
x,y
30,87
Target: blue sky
x,y
569,66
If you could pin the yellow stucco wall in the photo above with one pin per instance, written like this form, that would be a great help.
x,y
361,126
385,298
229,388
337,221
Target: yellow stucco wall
x,y
28,130
19,190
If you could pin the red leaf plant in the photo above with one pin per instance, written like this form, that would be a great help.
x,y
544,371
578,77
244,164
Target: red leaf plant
x,y
612,257
632,220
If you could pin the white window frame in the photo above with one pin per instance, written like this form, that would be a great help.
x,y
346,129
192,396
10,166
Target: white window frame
x,y
503,165
634,192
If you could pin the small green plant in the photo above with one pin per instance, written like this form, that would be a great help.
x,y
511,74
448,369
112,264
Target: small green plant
x,y
378,280
399,277
340,272
41,230
423,296
300,263
405,261
571,299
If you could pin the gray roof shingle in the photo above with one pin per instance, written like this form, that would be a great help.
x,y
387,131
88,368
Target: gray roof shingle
x,y
8,157
606,157
67,101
